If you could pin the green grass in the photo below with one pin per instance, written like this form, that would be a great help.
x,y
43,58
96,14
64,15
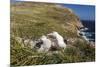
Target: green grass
x,y
38,20
72,54
32,20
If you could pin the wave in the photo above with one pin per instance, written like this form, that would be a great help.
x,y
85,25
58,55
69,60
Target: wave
x,y
88,31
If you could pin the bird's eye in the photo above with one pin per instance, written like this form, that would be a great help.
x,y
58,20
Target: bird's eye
x,y
38,44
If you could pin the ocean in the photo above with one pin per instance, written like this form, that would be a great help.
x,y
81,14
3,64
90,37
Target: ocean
x,y
90,33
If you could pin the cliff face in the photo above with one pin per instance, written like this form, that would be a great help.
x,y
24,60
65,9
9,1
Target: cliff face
x,y
35,19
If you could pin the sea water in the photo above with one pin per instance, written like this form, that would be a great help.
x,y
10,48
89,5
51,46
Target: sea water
x,y
89,33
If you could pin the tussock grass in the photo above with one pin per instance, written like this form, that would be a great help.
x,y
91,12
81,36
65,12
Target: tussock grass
x,y
31,20
72,54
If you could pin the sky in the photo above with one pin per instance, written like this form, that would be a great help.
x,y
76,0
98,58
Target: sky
x,y
85,12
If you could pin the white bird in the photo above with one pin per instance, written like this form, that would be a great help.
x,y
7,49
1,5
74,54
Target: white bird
x,y
59,39
46,44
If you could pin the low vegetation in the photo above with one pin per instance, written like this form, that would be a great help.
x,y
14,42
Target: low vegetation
x,y
32,20
79,52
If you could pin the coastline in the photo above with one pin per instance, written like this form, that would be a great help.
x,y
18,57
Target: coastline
x,y
88,31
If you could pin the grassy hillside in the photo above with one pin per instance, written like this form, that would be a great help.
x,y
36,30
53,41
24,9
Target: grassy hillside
x,y
36,19
32,20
